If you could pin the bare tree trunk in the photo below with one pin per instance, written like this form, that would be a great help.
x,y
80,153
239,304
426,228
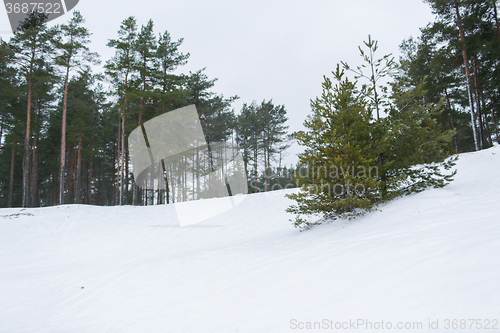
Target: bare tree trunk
x,y
268,174
26,163
90,176
496,126
102,179
1,131
197,170
63,137
11,181
69,177
467,73
118,154
34,167
255,169
452,122
478,106
34,179
167,190
122,176
89,183
126,174
78,195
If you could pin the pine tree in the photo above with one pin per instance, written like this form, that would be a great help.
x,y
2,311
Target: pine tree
x,y
72,42
352,163
274,138
30,46
121,68
248,137
338,160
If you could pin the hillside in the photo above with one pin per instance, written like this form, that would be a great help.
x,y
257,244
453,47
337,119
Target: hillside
x,y
431,256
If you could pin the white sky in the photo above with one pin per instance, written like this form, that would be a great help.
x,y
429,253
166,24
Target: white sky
x,y
274,49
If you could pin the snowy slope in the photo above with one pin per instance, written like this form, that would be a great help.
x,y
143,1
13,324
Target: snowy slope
x,y
430,256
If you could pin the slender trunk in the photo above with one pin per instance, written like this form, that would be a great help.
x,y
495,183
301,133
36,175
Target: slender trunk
x,y
374,85
452,121
478,105
117,159
167,190
121,154
34,174
1,131
193,173
269,170
89,184
496,125
70,174
53,189
467,73
198,189
102,179
134,193
255,169
34,167
127,158
26,163
78,195
11,181
122,175
489,133
63,137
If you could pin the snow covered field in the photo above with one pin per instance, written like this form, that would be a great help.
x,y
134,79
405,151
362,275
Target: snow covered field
x,y
426,258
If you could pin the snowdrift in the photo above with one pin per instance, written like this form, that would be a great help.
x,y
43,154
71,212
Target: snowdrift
x,y
428,258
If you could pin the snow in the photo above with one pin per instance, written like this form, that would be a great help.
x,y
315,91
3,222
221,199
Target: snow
x,y
424,258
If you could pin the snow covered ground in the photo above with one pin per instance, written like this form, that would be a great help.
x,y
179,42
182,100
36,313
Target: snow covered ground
x,y
426,258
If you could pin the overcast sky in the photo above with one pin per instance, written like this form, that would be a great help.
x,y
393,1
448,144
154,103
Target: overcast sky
x,y
273,49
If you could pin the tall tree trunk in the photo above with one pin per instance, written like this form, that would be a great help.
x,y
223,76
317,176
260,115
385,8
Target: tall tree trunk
x,y
63,137
467,73
11,181
26,163
121,163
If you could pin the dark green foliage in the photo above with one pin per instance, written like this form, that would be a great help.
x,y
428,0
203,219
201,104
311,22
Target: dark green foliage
x,y
437,55
336,177
53,66
261,135
353,162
